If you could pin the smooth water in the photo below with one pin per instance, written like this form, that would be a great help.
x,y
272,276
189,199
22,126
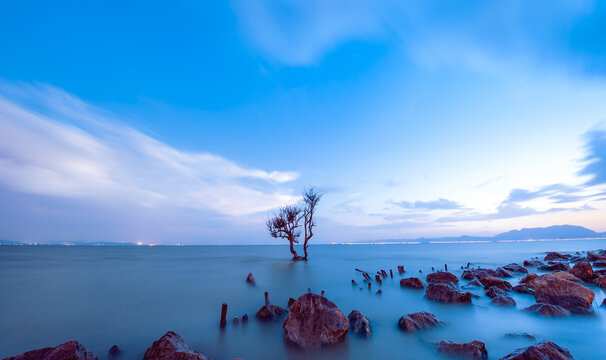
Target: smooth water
x,y
131,296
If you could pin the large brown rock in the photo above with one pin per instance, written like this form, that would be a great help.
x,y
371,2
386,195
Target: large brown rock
x,y
478,273
545,350
582,270
447,293
442,277
474,350
501,272
494,291
513,267
493,281
359,324
172,347
548,310
564,275
418,321
567,294
313,322
71,350
595,257
412,282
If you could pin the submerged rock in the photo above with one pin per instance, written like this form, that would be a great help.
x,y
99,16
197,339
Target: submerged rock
x,y
494,291
447,293
558,266
529,279
504,300
172,347
71,350
513,267
533,263
412,282
599,264
478,273
442,277
548,310
418,321
493,281
500,272
114,353
520,335
556,256
582,270
567,294
523,289
600,281
564,275
314,321
474,350
270,312
359,324
545,350
595,257
250,278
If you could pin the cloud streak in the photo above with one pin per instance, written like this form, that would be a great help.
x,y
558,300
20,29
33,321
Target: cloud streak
x,y
53,144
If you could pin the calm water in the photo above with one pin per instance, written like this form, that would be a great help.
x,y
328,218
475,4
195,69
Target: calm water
x,y
130,296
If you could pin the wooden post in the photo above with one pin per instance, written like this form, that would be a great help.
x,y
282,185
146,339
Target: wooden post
x,y
384,273
378,278
445,267
266,298
353,282
390,272
322,293
369,285
223,315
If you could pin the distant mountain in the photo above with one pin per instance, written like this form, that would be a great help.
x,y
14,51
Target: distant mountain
x,y
551,232
542,233
98,243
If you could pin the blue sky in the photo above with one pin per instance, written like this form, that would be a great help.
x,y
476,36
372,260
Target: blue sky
x,y
189,122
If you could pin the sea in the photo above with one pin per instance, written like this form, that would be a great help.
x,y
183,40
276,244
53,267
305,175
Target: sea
x,y
130,296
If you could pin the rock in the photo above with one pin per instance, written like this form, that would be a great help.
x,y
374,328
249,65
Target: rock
x,y
494,291
71,350
493,281
478,273
418,321
447,293
314,321
250,279
523,289
529,279
548,310
171,347
290,302
595,257
582,270
500,272
513,267
564,275
603,302
474,350
270,312
600,281
359,324
600,264
577,258
567,294
114,353
522,335
558,266
412,282
556,256
475,282
503,300
533,263
545,350
442,277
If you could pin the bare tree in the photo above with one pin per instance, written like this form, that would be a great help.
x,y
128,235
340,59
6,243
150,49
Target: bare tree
x,y
310,200
284,224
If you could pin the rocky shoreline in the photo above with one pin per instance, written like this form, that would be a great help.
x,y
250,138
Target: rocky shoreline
x,y
312,321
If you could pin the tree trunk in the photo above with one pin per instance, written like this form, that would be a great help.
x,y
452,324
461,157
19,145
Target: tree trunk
x,y
305,249
292,249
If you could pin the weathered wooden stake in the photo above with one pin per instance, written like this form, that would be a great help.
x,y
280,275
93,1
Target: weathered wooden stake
x,y
378,278
353,282
322,293
223,315
369,285
445,267
384,273
390,272
266,298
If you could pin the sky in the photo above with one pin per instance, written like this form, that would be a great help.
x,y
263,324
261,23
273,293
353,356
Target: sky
x,y
190,122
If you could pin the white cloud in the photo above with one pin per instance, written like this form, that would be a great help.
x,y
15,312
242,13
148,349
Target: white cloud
x,y
56,145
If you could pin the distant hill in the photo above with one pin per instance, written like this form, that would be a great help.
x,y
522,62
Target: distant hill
x,y
544,233
6,242
98,243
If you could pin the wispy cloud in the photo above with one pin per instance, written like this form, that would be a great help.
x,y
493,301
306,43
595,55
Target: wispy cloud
x,y
54,144
439,204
